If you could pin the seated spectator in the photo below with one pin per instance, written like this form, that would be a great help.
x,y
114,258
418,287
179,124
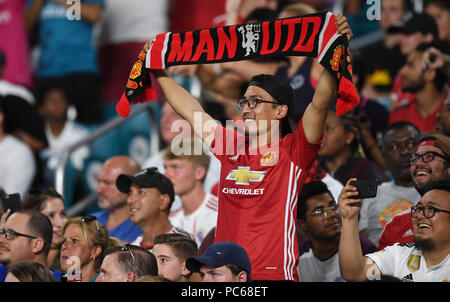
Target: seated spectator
x,y
25,236
83,249
427,84
171,252
430,163
50,203
414,29
399,143
19,104
341,153
127,263
318,216
115,214
430,228
60,131
173,126
15,158
222,262
442,124
72,60
29,272
440,11
187,171
150,195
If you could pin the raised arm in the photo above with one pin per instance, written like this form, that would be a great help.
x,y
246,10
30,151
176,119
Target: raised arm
x,y
353,265
316,112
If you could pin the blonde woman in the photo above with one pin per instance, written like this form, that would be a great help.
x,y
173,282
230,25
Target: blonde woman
x,y
83,248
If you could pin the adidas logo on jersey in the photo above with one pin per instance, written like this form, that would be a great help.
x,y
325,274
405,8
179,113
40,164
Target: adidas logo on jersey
x,y
408,278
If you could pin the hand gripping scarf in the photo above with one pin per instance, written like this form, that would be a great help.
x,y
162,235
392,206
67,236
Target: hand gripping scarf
x,y
310,35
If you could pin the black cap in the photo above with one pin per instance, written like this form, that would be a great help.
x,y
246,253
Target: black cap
x,y
416,22
148,178
219,254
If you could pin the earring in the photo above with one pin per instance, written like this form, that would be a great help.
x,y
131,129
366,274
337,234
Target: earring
x,y
94,258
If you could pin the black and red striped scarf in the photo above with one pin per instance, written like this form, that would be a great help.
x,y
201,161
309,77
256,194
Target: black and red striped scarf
x,y
311,35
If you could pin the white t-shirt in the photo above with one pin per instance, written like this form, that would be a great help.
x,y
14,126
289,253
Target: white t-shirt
x,y
201,221
17,166
311,269
211,179
71,133
378,211
406,262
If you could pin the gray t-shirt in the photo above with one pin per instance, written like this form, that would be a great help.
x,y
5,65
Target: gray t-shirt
x,y
378,211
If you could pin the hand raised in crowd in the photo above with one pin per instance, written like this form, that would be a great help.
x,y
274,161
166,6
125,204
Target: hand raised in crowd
x,y
433,58
342,26
349,206
4,217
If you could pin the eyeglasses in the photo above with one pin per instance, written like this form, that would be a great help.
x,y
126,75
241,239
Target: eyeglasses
x,y
128,247
252,102
90,218
426,157
323,211
428,211
11,234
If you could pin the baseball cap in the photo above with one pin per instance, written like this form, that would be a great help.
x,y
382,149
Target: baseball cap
x,y
416,22
221,253
439,141
148,178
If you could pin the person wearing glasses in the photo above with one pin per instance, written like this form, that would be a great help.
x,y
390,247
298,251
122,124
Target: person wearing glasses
x,y
25,236
399,142
262,163
127,263
430,163
318,216
425,260
83,248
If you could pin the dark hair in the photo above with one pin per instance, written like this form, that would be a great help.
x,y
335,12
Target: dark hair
x,y
35,200
397,126
350,122
236,269
145,260
32,272
309,190
442,3
40,226
45,86
437,185
261,15
183,246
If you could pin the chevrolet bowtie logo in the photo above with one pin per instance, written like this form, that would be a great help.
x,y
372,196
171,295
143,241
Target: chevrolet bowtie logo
x,y
243,175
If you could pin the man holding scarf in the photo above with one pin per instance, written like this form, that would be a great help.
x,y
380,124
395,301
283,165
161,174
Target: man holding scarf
x,y
263,164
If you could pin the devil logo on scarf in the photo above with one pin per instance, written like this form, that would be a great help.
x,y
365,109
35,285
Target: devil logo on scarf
x,y
249,38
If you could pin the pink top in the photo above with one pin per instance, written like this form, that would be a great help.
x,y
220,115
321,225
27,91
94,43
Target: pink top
x,y
14,42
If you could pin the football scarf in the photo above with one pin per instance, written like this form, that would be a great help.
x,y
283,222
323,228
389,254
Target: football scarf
x,y
310,35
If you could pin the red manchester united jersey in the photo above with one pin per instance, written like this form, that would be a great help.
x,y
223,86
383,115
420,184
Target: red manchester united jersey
x,y
258,193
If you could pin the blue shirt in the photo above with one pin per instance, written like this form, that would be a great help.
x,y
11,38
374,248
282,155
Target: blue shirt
x,y
4,272
126,231
66,43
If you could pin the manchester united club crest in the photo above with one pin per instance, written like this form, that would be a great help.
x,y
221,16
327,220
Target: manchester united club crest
x,y
250,37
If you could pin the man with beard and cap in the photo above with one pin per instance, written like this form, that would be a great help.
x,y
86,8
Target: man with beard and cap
x,y
426,260
429,164
427,84
399,143
262,165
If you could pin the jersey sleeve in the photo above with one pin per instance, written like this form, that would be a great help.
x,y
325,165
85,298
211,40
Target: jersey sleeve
x,y
302,152
386,259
